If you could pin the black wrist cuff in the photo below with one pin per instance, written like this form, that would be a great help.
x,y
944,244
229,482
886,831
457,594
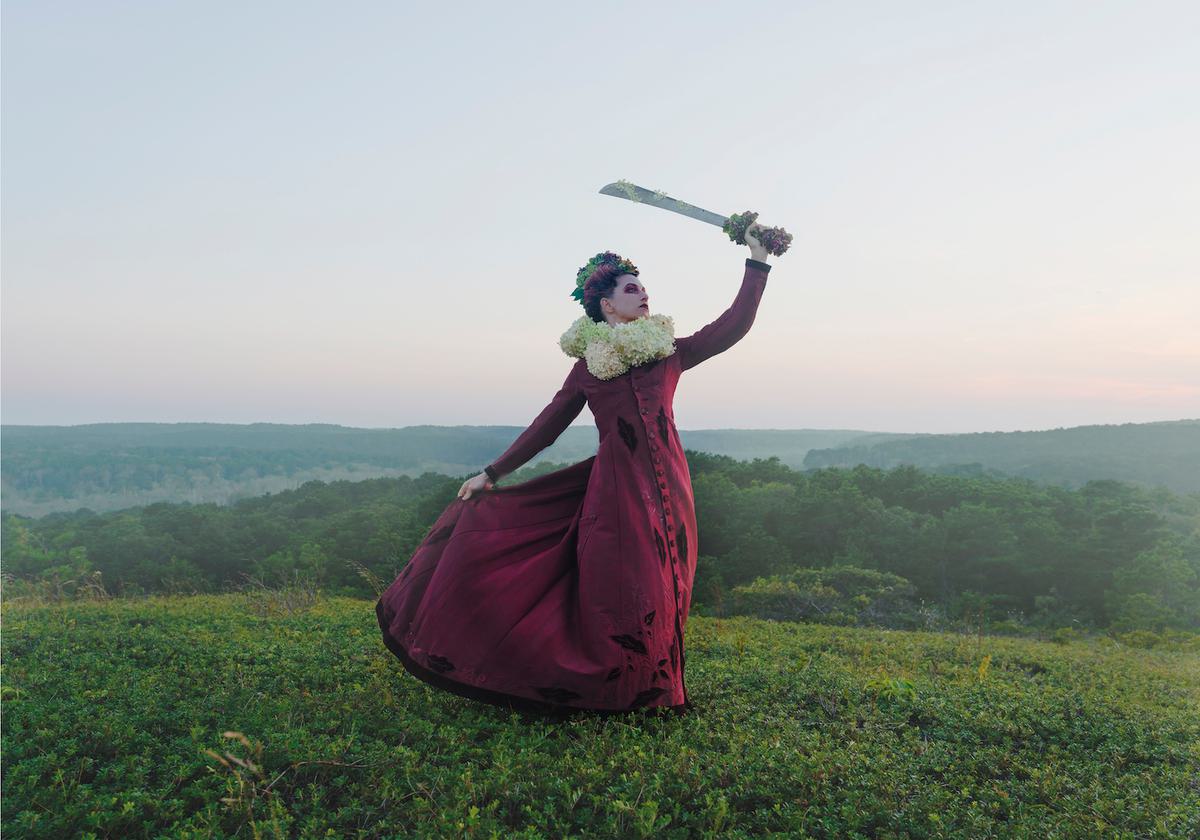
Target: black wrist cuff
x,y
753,263
491,473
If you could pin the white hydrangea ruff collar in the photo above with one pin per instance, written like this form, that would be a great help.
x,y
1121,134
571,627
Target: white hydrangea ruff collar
x,y
611,350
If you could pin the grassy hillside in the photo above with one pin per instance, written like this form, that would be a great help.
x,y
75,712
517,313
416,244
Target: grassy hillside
x,y
252,715
1163,454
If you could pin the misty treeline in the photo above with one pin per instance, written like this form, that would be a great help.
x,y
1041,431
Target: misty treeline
x,y
1149,454
110,466
862,545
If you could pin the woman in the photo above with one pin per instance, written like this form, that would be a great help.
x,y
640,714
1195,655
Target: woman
x,y
571,591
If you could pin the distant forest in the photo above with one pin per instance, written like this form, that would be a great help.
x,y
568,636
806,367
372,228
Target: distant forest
x,y
109,466
900,547
1150,454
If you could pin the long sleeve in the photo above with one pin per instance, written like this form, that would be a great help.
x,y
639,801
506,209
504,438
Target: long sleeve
x,y
546,427
733,323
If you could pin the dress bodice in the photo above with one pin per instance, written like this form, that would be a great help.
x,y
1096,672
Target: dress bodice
x,y
645,391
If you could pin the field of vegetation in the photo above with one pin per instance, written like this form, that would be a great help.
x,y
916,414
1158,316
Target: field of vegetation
x,y
279,713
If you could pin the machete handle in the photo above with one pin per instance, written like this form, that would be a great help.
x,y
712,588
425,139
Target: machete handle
x,y
775,239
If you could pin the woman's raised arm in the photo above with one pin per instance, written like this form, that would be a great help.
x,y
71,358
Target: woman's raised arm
x,y
733,323
545,428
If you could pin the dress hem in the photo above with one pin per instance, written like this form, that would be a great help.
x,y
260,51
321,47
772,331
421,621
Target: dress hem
x,y
512,702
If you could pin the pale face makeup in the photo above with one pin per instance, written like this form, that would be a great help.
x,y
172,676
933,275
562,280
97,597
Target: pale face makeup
x,y
629,301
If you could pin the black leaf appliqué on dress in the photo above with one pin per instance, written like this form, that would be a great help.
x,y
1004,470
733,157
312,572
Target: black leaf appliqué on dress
x,y
649,619
629,642
644,697
662,426
613,674
440,663
662,548
683,543
440,534
627,433
558,695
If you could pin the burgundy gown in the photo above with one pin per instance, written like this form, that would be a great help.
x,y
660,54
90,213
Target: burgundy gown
x,y
571,590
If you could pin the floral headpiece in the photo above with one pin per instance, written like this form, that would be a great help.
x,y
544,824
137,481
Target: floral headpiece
x,y
604,258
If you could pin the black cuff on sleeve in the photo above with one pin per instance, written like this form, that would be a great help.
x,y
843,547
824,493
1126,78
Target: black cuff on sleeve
x,y
753,263
491,473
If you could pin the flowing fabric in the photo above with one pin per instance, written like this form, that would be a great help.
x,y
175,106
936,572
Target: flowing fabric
x,y
571,591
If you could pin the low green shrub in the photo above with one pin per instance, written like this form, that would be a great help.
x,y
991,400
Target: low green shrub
x,y
838,595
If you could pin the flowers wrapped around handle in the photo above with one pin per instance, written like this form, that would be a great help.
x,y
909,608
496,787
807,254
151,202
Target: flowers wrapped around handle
x,y
776,240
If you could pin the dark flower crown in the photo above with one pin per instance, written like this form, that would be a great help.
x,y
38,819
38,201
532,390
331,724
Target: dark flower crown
x,y
604,258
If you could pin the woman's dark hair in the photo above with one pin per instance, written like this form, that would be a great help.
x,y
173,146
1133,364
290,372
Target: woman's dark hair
x,y
600,285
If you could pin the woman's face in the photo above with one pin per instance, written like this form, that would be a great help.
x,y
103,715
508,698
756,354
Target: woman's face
x,y
628,301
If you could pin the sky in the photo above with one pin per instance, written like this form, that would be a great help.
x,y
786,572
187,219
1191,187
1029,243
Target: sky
x,y
372,213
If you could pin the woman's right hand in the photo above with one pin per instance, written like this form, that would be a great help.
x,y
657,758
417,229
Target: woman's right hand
x,y
475,484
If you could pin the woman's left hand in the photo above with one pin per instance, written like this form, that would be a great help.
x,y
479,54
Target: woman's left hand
x,y
757,250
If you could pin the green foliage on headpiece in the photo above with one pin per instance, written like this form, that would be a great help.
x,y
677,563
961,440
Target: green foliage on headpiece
x,y
603,258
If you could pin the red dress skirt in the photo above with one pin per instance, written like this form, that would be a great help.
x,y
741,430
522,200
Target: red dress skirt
x,y
570,591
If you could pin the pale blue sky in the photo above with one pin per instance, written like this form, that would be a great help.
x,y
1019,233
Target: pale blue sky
x,y
372,213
